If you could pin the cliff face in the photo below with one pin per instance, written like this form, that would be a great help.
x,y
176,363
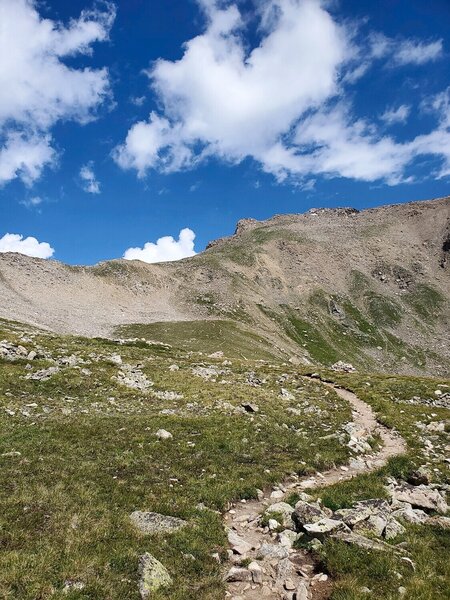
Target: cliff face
x,y
371,287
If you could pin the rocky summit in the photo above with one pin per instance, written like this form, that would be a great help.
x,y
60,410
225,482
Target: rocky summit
x,y
268,419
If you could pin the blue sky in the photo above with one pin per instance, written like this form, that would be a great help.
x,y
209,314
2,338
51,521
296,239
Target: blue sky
x,y
125,122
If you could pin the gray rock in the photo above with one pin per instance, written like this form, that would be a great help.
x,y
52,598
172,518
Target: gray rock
x,y
363,542
256,572
285,569
352,516
238,544
284,509
325,526
238,574
153,576
410,515
305,512
302,592
273,551
420,496
150,522
162,434
375,525
393,529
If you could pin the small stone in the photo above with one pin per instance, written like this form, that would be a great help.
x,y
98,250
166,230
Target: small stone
x,y
273,524
302,592
238,574
153,574
238,544
162,434
402,590
289,585
256,572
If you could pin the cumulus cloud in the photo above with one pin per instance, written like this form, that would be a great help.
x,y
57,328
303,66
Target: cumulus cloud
x,y
396,115
88,180
37,88
165,249
231,102
14,242
282,102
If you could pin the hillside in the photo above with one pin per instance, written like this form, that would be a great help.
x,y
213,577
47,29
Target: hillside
x,y
371,288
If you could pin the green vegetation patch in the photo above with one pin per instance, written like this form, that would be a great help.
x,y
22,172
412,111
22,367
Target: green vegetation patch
x,y
204,336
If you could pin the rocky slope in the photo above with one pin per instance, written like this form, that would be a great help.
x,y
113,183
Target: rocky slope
x,y
368,287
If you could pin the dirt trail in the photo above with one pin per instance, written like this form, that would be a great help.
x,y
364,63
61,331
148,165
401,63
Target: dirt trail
x,y
296,567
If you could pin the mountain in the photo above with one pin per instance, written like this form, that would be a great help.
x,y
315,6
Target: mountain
x,y
371,288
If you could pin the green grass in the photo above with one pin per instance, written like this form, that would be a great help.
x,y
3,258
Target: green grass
x,y
89,457
426,301
210,336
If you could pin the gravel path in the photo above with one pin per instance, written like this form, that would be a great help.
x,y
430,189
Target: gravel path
x,y
288,573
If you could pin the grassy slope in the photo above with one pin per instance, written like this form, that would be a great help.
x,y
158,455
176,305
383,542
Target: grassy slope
x,y
89,457
204,336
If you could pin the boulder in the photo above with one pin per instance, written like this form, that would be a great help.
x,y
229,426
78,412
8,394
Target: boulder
x,y
325,527
273,551
153,576
306,512
410,515
375,525
443,522
150,522
238,544
352,516
420,496
285,509
393,529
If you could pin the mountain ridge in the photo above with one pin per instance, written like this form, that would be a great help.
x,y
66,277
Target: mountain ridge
x,y
369,286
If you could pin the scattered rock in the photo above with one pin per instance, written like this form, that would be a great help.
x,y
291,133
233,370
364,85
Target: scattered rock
x,y
238,544
325,527
153,576
343,367
420,496
162,434
150,522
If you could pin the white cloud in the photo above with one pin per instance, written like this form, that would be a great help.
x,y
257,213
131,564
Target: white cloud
x,y
417,53
88,180
282,103
32,202
37,88
396,115
165,249
234,103
12,242
24,155
137,100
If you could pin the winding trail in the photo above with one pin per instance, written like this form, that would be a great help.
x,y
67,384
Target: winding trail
x,y
286,573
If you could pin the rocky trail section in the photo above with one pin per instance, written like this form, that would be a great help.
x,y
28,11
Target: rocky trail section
x,y
265,563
